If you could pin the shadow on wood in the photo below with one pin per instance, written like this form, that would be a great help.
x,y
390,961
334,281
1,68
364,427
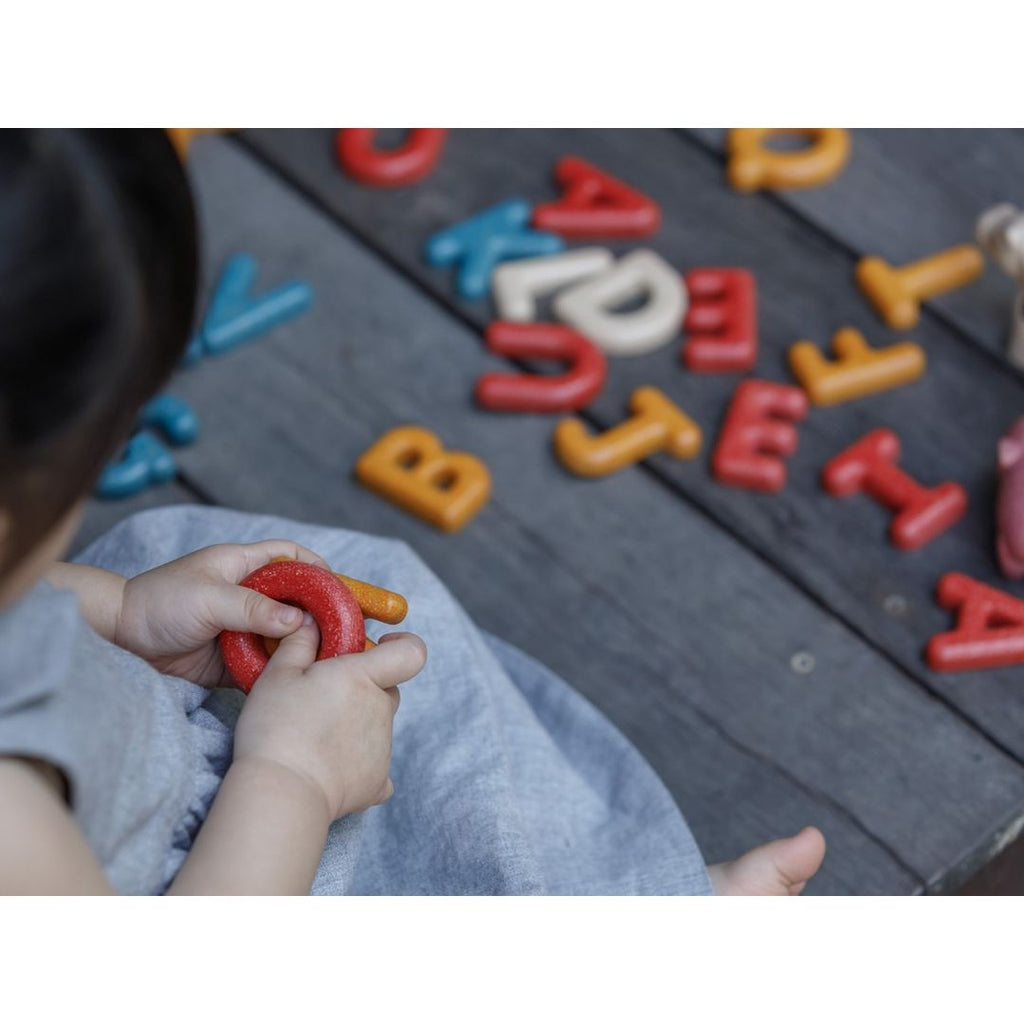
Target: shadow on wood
x,y
1003,876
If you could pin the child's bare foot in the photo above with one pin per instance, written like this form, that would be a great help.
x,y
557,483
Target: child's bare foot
x,y
779,868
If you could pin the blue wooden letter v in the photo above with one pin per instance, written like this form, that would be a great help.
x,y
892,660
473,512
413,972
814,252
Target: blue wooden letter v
x,y
235,315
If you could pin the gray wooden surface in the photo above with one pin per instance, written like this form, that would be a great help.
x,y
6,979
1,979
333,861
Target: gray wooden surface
x,y
949,421
676,609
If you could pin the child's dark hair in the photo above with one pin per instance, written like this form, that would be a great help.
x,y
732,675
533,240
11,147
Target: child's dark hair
x,y
98,268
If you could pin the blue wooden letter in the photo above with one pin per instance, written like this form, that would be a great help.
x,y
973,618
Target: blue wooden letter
x,y
234,315
485,240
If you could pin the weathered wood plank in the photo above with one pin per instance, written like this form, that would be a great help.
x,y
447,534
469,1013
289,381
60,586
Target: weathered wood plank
x,y
949,421
676,631
909,192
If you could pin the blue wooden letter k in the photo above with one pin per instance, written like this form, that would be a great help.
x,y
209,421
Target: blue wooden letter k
x,y
484,240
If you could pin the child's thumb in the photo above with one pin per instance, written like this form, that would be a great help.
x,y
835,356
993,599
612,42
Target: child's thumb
x,y
298,650
397,658
247,611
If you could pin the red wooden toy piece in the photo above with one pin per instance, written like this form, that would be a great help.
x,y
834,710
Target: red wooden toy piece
x,y
756,435
922,513
315,590
390,168
721,321
531,392
596,205
989,630
1010,503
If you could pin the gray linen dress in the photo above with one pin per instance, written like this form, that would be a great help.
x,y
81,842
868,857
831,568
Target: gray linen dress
x,y
506,780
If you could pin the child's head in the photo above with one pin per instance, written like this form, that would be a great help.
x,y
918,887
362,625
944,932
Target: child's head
x,y
98,264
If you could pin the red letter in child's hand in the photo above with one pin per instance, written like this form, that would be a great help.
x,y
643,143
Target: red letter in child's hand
x,y
317,591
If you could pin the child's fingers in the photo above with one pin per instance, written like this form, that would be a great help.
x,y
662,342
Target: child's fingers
x,y
236,561
395,659
232,607
298,650
263,551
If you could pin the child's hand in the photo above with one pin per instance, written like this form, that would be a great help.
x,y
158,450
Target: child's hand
x,y
328,723
172,615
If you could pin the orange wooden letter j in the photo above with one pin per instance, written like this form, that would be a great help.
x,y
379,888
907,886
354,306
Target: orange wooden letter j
x,y
657,425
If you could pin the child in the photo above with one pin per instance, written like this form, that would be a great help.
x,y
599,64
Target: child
x,y
122,768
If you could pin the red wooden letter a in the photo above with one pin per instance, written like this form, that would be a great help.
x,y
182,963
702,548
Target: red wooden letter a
x,y
596,205
989,630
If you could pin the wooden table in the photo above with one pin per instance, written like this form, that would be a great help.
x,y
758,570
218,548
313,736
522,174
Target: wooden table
x,y
689,612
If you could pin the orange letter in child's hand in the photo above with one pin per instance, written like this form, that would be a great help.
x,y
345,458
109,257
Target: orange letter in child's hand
x,y
857,370
656,425
376,602
409,466
752,165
